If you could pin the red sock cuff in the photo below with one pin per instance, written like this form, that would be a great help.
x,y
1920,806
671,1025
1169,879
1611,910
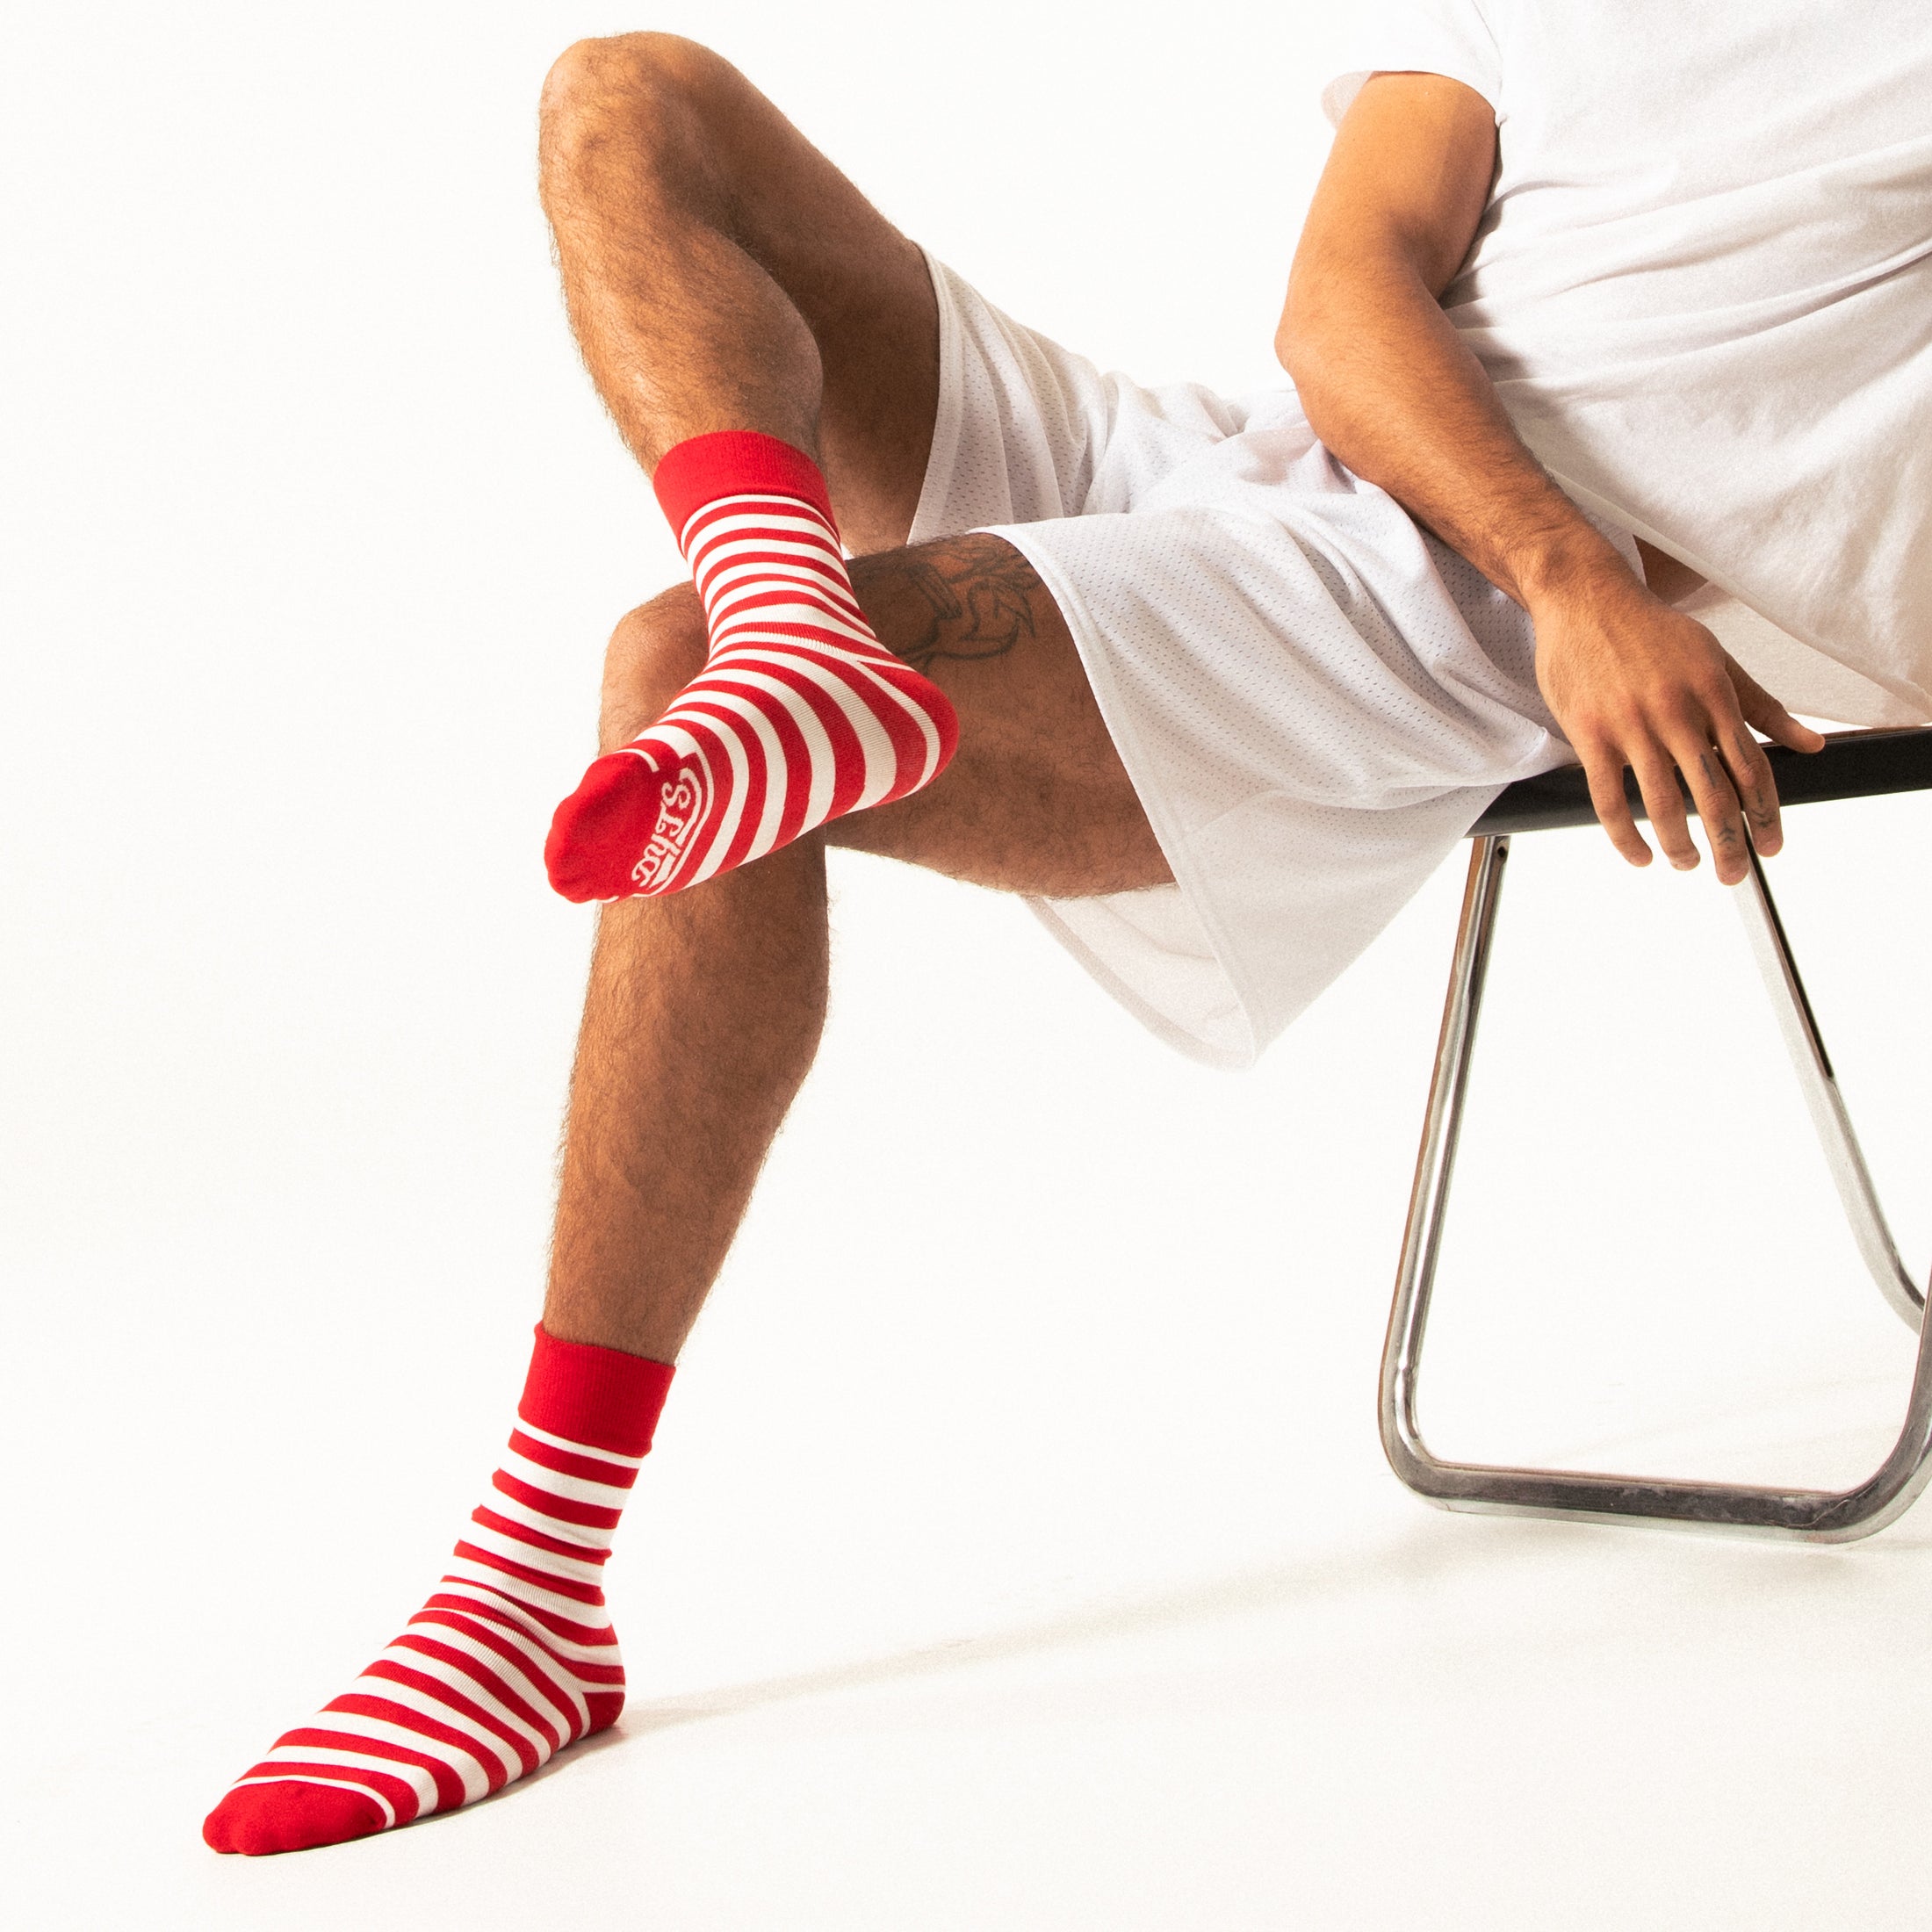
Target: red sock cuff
x,y
702,469
598,1396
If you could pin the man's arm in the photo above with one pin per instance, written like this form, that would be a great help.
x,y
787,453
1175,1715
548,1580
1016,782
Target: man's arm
x,y
1390,387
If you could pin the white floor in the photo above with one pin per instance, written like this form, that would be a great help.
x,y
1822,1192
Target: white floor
x,y
1037,1566
1018,1552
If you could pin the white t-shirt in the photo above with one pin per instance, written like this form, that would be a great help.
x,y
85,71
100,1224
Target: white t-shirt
x,y
1703,288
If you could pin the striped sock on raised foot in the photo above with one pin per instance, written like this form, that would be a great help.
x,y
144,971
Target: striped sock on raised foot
x,y
799,716
511,1659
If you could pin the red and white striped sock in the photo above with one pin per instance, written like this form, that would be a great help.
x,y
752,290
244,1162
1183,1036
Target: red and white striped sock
x,y
799,716
512,1658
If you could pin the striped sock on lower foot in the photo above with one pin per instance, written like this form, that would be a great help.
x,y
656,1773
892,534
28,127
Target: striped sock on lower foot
x,y
799,716
512,1658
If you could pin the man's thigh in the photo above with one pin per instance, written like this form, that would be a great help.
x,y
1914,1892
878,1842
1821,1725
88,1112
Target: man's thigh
x,y
1035,799
861,287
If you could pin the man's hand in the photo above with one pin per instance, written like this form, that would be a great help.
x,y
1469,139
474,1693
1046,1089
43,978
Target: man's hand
x,y
1392,389
1633,683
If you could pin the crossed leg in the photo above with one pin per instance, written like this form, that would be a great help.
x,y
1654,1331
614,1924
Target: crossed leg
x,y
720,275
720,272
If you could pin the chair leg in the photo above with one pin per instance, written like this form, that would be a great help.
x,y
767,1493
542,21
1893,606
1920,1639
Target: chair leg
x,y
1826,1105
1803,1515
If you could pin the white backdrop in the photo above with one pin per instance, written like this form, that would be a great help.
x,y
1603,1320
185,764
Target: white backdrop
x,y
1017,1529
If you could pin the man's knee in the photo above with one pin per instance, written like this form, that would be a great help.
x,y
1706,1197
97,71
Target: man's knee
x,y
652,79
655,653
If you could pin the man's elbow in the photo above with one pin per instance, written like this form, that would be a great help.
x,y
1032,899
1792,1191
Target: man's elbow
x,y
1301,333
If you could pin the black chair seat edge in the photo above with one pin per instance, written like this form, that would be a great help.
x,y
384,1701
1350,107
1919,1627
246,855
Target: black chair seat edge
x,y
1852,765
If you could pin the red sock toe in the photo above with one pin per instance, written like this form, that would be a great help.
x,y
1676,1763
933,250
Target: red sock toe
x,y
258,1819
800,714
597,833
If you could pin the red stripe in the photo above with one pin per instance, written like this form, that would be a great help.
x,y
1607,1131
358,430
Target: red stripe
x,y
512,1644
519,1747
818,580
419,1637
705,710
611,1674
586,1594
410,1719
726,529
593,1516
578,1552
567,1462
563,1628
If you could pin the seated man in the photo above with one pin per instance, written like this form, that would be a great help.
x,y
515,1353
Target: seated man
x,y
1687,258
1153,657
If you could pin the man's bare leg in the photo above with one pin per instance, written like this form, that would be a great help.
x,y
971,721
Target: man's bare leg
x,y
738,305
696,231
722,274
704,1009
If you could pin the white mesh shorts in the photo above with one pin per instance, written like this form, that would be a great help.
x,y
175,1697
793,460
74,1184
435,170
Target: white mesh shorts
x,y
1313,699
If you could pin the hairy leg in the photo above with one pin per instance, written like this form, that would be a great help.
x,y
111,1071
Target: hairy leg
x,y
704,1008
745,314
722,274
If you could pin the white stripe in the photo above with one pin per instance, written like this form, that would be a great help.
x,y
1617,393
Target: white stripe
x,y
881,762
727,633
606,1495
776,506
414,1775
474,1780
543,1436
464,1571
680,732
732,582
413,1699
521,1678
727,575
777,777
738,617
735,537
821,767
913,709
466,1686
787,513
582,1534
606,1654
334,1784
480,1536
872,674
731,564
723,828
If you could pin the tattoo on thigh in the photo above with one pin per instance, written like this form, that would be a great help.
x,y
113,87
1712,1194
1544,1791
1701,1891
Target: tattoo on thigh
x,y
978,602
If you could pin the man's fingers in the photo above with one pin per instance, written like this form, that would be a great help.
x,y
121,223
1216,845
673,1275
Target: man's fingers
x,y
1756,786
1717,803
1762,712
1605,770
1657,779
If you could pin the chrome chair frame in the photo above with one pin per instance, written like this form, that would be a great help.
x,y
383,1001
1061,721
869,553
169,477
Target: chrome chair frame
x,y
1855,764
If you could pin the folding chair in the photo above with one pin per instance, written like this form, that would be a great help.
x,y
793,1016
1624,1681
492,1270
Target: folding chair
x,y
1854,765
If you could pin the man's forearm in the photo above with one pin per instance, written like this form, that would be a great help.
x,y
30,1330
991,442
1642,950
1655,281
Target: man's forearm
x,y
1393,391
